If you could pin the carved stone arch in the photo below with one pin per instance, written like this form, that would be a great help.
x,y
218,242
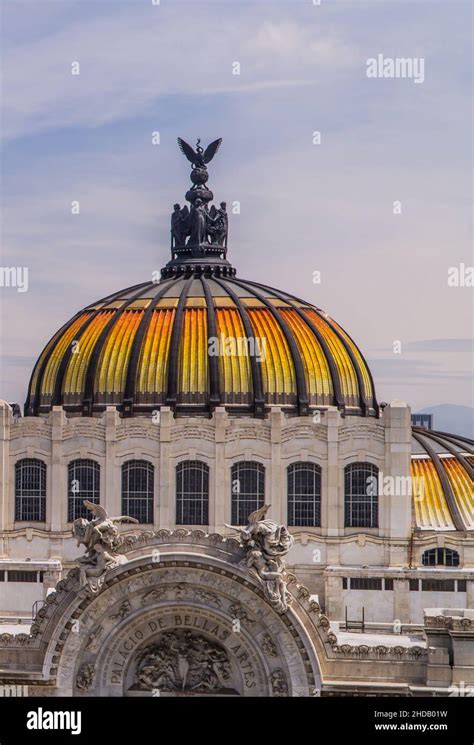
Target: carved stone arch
x,y
223,635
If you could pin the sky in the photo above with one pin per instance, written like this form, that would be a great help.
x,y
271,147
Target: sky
x,y
381,207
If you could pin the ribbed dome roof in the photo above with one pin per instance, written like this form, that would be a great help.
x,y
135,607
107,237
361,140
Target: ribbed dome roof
x,y
444,465
148,346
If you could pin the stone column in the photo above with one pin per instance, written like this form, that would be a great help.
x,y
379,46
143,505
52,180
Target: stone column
x,y
112,481
396,511
218,513
332,500
401,600
470,593
57,493
277,477
7,489
333,597
166,508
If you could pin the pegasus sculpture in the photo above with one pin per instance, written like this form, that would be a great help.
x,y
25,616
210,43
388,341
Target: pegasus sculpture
x,y
199,157
266,543
102,540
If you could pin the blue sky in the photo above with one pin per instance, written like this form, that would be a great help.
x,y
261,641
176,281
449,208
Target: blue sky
x,y
304,207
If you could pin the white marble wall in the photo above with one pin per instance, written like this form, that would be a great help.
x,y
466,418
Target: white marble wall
x,y
276,442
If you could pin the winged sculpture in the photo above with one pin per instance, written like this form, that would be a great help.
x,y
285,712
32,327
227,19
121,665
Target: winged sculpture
x,y
266,543
199,157
102,540
253,521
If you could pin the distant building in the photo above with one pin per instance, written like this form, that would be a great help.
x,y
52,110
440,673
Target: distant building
x,y
422,420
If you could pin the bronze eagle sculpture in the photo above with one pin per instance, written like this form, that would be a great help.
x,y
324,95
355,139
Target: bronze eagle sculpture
x,y
199,157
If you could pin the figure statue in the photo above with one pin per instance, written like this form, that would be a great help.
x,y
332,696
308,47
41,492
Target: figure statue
x,y
219,223
278,683
199,219
179,225
266,543
102,540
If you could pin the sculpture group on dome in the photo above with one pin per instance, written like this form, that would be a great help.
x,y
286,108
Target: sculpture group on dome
x,y
200,227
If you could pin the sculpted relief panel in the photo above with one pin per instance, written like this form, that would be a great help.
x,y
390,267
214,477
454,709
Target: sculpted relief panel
x,y
182,630
182,661
183,649
196,653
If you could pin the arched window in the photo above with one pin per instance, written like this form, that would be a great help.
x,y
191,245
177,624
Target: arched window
x,y
30,490
361,503
440,557
304,494
248,490
192,493
137,490
83,483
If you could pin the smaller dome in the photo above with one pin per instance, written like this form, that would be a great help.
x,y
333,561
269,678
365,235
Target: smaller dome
x,y
442,466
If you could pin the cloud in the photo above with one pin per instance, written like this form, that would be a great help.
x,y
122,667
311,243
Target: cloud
x,y
407,370
14,360
441,345
436,345
130,58
293,44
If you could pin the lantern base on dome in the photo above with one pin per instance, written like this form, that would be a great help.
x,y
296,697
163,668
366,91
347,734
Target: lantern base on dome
x,y
202,265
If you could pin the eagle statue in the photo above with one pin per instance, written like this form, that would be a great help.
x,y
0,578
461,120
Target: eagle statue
x,y
199,157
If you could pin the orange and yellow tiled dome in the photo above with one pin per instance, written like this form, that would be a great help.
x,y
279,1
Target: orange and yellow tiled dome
x,y
443,465
148,346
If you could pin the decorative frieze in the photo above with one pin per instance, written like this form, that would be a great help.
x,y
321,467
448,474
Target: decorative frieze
x,y
247,432
303,431
362,430
192,431
77,427
30,427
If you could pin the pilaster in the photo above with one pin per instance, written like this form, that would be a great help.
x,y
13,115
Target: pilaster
x,y
56,493
332,498
113,491
276,491
401,600
397,509
166,507
6,488
333,597
221,496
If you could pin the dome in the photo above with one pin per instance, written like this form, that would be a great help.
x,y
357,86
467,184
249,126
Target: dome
x,y
194,342
200,337
444,465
